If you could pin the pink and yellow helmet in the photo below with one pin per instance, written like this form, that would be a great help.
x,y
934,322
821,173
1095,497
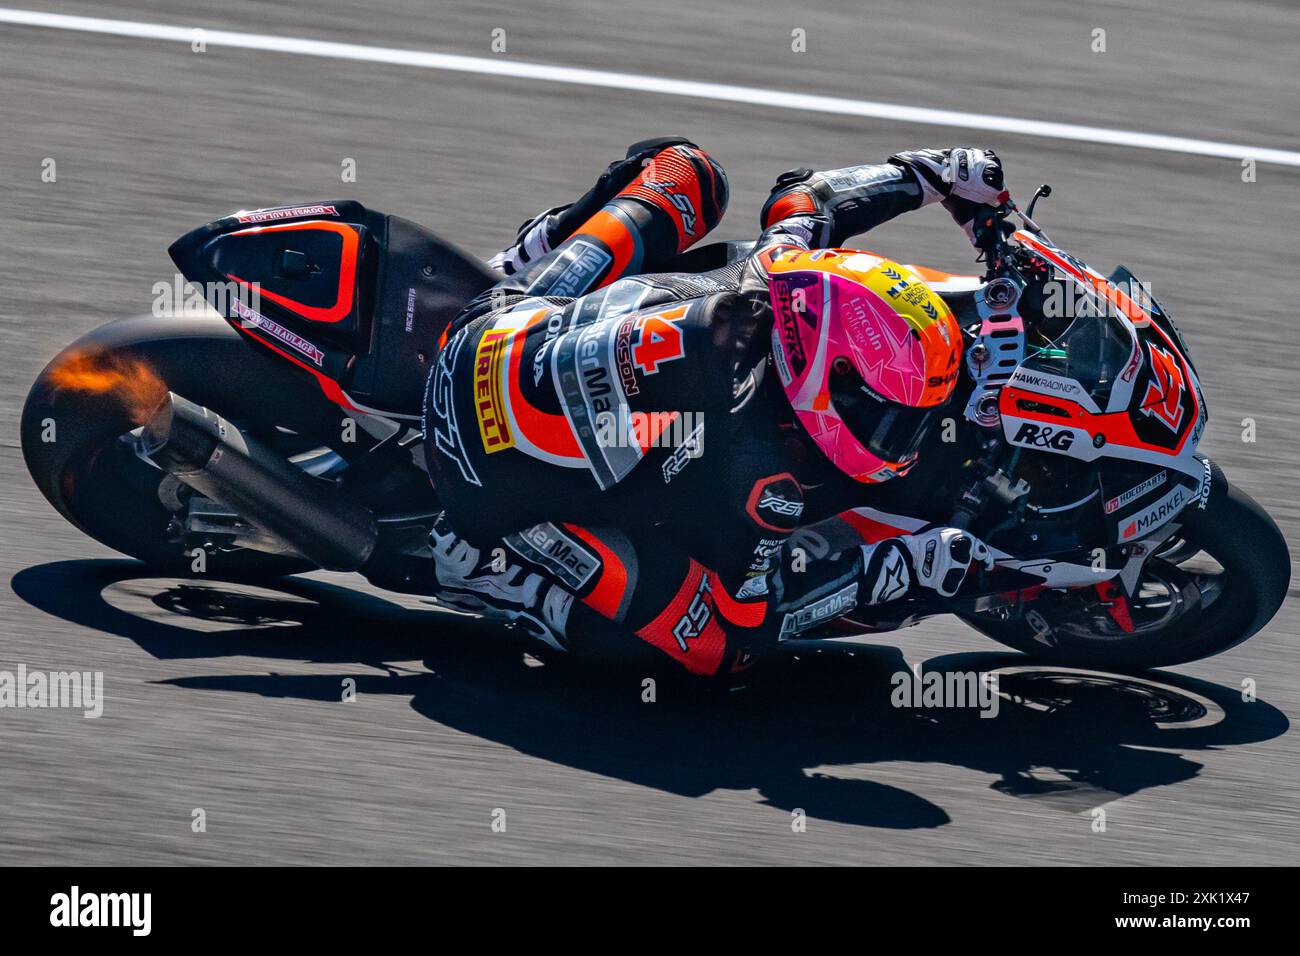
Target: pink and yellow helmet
x,y
866,351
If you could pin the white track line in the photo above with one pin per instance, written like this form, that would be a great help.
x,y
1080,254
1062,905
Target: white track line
x,y
654,84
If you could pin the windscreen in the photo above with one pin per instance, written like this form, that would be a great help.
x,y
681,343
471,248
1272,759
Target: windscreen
x,y
1094,350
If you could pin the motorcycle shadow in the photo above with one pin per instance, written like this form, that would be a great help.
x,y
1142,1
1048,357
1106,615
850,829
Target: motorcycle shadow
x,y
1069,739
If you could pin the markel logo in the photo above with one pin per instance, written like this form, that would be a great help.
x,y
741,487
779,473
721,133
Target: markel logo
x,y
1156,515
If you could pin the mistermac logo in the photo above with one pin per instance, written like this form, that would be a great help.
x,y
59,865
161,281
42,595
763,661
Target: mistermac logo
x,y
1164,397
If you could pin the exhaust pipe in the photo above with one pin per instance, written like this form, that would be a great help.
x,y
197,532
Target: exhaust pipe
x,y
220,462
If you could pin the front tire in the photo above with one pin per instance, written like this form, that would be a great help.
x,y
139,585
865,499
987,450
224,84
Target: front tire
x,y
1240,537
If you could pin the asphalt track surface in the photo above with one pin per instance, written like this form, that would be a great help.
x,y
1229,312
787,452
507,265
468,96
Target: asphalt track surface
x,y
228,699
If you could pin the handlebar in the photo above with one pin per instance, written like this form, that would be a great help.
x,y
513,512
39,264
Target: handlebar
x,y
991,230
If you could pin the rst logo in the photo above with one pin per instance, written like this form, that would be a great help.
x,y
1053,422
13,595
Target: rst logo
x,y
681,202
777,505
1043,436
696,617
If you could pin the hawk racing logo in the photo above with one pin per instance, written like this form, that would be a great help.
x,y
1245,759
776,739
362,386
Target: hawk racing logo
x,y
1164,396
489,404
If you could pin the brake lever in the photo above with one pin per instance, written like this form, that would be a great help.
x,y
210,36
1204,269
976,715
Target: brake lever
x,y
1042,192
990,230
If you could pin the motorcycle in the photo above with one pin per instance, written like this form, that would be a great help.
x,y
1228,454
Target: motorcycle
x,y
276,429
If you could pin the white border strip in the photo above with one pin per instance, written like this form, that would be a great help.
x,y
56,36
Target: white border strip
x,y
805,102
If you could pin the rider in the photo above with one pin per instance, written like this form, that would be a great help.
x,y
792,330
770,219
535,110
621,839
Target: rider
x,y
624,453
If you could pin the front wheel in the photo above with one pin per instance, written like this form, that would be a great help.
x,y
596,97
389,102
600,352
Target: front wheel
x,y
1218,581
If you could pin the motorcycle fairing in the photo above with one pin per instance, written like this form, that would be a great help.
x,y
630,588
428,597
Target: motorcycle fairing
x,y
1081,272
311,268
946,283
1146,407
355,297
1138,499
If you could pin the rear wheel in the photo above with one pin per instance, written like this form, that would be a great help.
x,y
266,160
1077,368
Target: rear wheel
x,y
80,450
1217,582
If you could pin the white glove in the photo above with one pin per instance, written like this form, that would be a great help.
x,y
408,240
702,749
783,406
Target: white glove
x,y
942,556
961,172
976,174
937,558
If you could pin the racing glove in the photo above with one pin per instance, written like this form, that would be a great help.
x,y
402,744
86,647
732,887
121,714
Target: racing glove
x,y
963,178
936,559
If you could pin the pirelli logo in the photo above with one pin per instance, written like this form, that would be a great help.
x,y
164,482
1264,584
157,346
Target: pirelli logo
x,y
489,403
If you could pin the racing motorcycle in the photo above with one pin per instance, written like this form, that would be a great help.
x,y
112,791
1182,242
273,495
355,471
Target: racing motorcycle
x,y
276,428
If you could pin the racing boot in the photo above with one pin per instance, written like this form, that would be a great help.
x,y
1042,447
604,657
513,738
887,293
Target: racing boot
x,y
667,187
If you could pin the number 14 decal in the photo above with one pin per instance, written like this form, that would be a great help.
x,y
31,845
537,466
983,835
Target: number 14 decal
x,y
660,340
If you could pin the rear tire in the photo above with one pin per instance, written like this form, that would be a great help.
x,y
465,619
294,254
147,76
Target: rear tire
x,y
1241,537
94,478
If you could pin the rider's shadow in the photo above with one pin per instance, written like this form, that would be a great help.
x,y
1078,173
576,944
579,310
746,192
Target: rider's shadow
x,y
1067,739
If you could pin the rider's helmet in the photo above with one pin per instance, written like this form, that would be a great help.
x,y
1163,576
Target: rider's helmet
x,y
867,354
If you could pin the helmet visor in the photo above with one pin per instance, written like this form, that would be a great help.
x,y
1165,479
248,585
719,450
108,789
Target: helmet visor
x,y
889,430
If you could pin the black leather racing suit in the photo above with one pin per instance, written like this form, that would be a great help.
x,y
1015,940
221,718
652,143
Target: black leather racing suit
x,y
618,466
